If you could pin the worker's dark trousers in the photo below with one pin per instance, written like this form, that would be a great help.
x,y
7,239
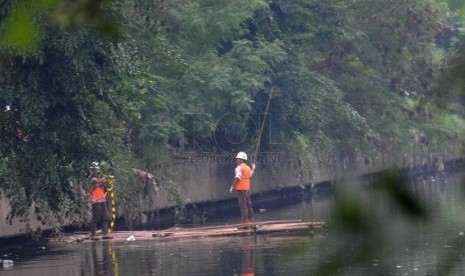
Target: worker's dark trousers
x,y
245,205
99,215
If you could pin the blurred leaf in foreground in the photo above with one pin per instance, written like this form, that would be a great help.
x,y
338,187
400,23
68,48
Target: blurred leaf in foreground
x,y
23,27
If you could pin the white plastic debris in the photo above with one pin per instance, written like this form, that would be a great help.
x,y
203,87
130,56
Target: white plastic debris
x,y
131,238
8,263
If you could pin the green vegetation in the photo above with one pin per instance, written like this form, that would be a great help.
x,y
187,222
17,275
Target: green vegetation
x,y
131,82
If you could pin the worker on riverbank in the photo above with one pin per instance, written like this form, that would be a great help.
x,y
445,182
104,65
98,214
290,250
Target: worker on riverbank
x,y
241,184
100,214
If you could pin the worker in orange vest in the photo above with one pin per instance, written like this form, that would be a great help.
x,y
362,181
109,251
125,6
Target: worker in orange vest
x,y
241,184
100,214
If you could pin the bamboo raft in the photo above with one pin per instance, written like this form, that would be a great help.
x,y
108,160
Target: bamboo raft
x,y
263,227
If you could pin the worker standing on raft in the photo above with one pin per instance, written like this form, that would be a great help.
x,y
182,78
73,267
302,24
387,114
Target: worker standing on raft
x,y
100,214
241,184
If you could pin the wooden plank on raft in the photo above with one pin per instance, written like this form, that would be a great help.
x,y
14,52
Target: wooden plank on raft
x,y
235,225
199,231
241,229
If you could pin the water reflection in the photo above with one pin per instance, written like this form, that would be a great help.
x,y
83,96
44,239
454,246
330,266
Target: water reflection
x,y
248,245
103,259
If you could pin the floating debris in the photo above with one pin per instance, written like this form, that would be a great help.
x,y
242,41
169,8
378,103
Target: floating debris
x,y
8,263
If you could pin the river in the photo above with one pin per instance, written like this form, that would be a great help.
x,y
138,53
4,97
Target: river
x,y
389,242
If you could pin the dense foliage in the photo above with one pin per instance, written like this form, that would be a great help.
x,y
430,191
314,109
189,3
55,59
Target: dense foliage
x,y
131,82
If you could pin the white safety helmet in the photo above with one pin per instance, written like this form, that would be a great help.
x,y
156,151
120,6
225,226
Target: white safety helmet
x,y
95,165
241,155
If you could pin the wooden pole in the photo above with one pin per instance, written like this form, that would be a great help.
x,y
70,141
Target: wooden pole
x,y
262,127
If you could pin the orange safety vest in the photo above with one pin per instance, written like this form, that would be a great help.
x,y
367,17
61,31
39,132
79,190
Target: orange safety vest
x,y
244,183
97,194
